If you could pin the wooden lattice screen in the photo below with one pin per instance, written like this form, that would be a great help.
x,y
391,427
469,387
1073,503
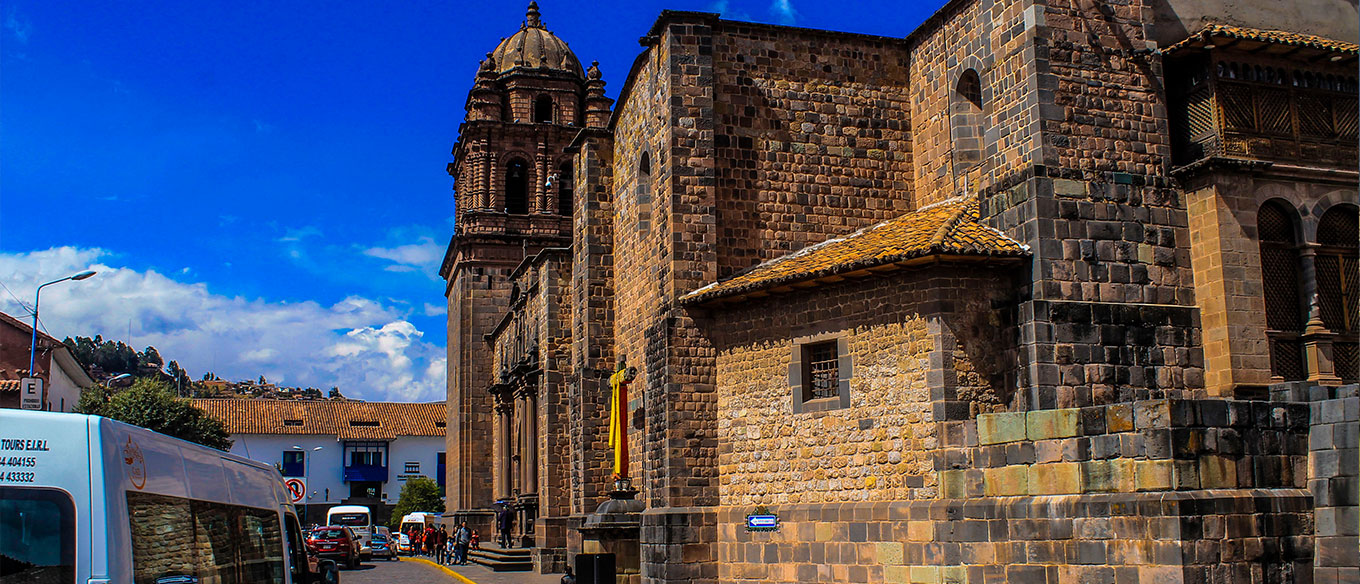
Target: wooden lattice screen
x,y
1279,268
1279,278
1338,284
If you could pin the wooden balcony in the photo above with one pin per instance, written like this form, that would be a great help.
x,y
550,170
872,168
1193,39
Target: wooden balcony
x,y
1266,112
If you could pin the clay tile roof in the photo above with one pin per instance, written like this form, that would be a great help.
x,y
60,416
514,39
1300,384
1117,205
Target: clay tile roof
x,y
347,420
948,230
8,385
1278,37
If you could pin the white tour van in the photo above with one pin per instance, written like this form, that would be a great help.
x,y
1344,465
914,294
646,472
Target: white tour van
x,y
89,500
359,518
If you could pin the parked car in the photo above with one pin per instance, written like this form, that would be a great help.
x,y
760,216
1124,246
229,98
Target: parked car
x,y
382,547
336,542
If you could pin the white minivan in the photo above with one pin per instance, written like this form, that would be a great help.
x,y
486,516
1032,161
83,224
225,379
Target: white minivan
x,y
91,500
360,519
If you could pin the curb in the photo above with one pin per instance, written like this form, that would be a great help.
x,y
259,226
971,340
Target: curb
x,y
445,569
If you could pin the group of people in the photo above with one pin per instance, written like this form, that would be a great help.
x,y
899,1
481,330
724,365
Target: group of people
x,y
443,547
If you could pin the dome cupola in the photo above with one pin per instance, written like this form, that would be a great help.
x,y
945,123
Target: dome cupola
x,y
533,47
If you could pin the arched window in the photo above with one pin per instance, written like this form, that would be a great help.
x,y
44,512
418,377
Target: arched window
x,y
1280,280
645,165
517,187
1338,264
970,88
543,109
566,188
965,122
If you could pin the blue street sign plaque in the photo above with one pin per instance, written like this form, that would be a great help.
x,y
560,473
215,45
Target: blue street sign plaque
x,y
762,522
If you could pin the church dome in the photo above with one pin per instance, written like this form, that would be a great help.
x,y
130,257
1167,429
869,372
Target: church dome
x,y
533,47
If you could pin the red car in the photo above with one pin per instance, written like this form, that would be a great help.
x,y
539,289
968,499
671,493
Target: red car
x,y
336,542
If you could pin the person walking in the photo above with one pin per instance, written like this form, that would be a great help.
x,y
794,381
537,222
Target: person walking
x,y
569,578
462,539
504,522
441,546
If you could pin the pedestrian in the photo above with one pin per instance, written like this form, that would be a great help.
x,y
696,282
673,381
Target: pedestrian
x,y
569,578
441,543
504,522
476,542
429,541
462,539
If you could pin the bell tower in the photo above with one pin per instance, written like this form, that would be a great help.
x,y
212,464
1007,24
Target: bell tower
x,y
513,192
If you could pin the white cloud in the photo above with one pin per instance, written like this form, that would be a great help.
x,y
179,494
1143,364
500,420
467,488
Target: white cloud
x,y
435,309
424,256
783,11
365,348
300,234
18,26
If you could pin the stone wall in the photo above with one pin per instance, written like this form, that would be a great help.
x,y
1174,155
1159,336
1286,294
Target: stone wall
x,y
1111,314
476,297
904,356
812,138
592,302
995,39
1333,476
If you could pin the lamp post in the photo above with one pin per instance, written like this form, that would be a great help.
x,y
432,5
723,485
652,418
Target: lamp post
x,y
33,347
306,467
121,376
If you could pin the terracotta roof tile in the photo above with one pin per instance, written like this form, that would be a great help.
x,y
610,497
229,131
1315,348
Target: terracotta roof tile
x,y
348,420
8,385
948,229
1278,37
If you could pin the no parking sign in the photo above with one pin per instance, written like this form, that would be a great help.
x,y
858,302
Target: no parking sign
x,y
297,489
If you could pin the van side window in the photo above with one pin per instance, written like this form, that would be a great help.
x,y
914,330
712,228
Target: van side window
x,y
37,535
297,555
214,542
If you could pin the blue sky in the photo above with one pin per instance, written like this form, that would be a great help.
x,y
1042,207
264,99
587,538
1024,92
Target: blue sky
x,y
261,184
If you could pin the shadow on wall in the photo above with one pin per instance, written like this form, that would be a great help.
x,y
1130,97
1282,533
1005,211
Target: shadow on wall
x,y
1334,19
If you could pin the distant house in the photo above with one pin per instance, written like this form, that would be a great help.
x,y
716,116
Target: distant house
x,y
61,384
361,453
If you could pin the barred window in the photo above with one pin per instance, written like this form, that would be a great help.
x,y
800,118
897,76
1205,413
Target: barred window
x,y
1337,261
822,379
1279,267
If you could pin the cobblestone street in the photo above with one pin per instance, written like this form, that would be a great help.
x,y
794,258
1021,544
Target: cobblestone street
x,y
420,570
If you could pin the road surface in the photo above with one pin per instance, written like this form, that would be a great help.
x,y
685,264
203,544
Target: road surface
x,y
421,571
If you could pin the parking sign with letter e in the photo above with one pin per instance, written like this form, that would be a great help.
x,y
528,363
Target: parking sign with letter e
x,y
31,393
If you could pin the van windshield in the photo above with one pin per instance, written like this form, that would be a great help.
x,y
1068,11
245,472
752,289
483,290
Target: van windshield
x,y
37,536
352,519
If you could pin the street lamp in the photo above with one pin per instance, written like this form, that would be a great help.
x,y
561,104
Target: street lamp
x,y
33,348
306,466
119,377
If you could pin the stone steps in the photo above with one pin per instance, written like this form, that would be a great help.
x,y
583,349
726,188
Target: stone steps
x,y
503,560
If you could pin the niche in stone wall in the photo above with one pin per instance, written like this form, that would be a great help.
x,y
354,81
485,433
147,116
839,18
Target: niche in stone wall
x,y
566,188
966,129
543,109
517,187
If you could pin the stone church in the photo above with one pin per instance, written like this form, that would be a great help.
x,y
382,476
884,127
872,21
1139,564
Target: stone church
x,y
1041,291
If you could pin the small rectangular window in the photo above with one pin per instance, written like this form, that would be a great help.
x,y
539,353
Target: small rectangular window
x,y
292,463
822,376
412,468
365,423
292,422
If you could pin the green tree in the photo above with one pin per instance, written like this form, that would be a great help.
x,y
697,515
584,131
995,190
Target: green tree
x,y
151,404
419,494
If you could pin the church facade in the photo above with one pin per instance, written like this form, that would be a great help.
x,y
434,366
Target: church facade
x,y
1043,291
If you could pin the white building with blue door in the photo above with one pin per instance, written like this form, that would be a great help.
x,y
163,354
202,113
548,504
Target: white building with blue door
x,y
338,452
